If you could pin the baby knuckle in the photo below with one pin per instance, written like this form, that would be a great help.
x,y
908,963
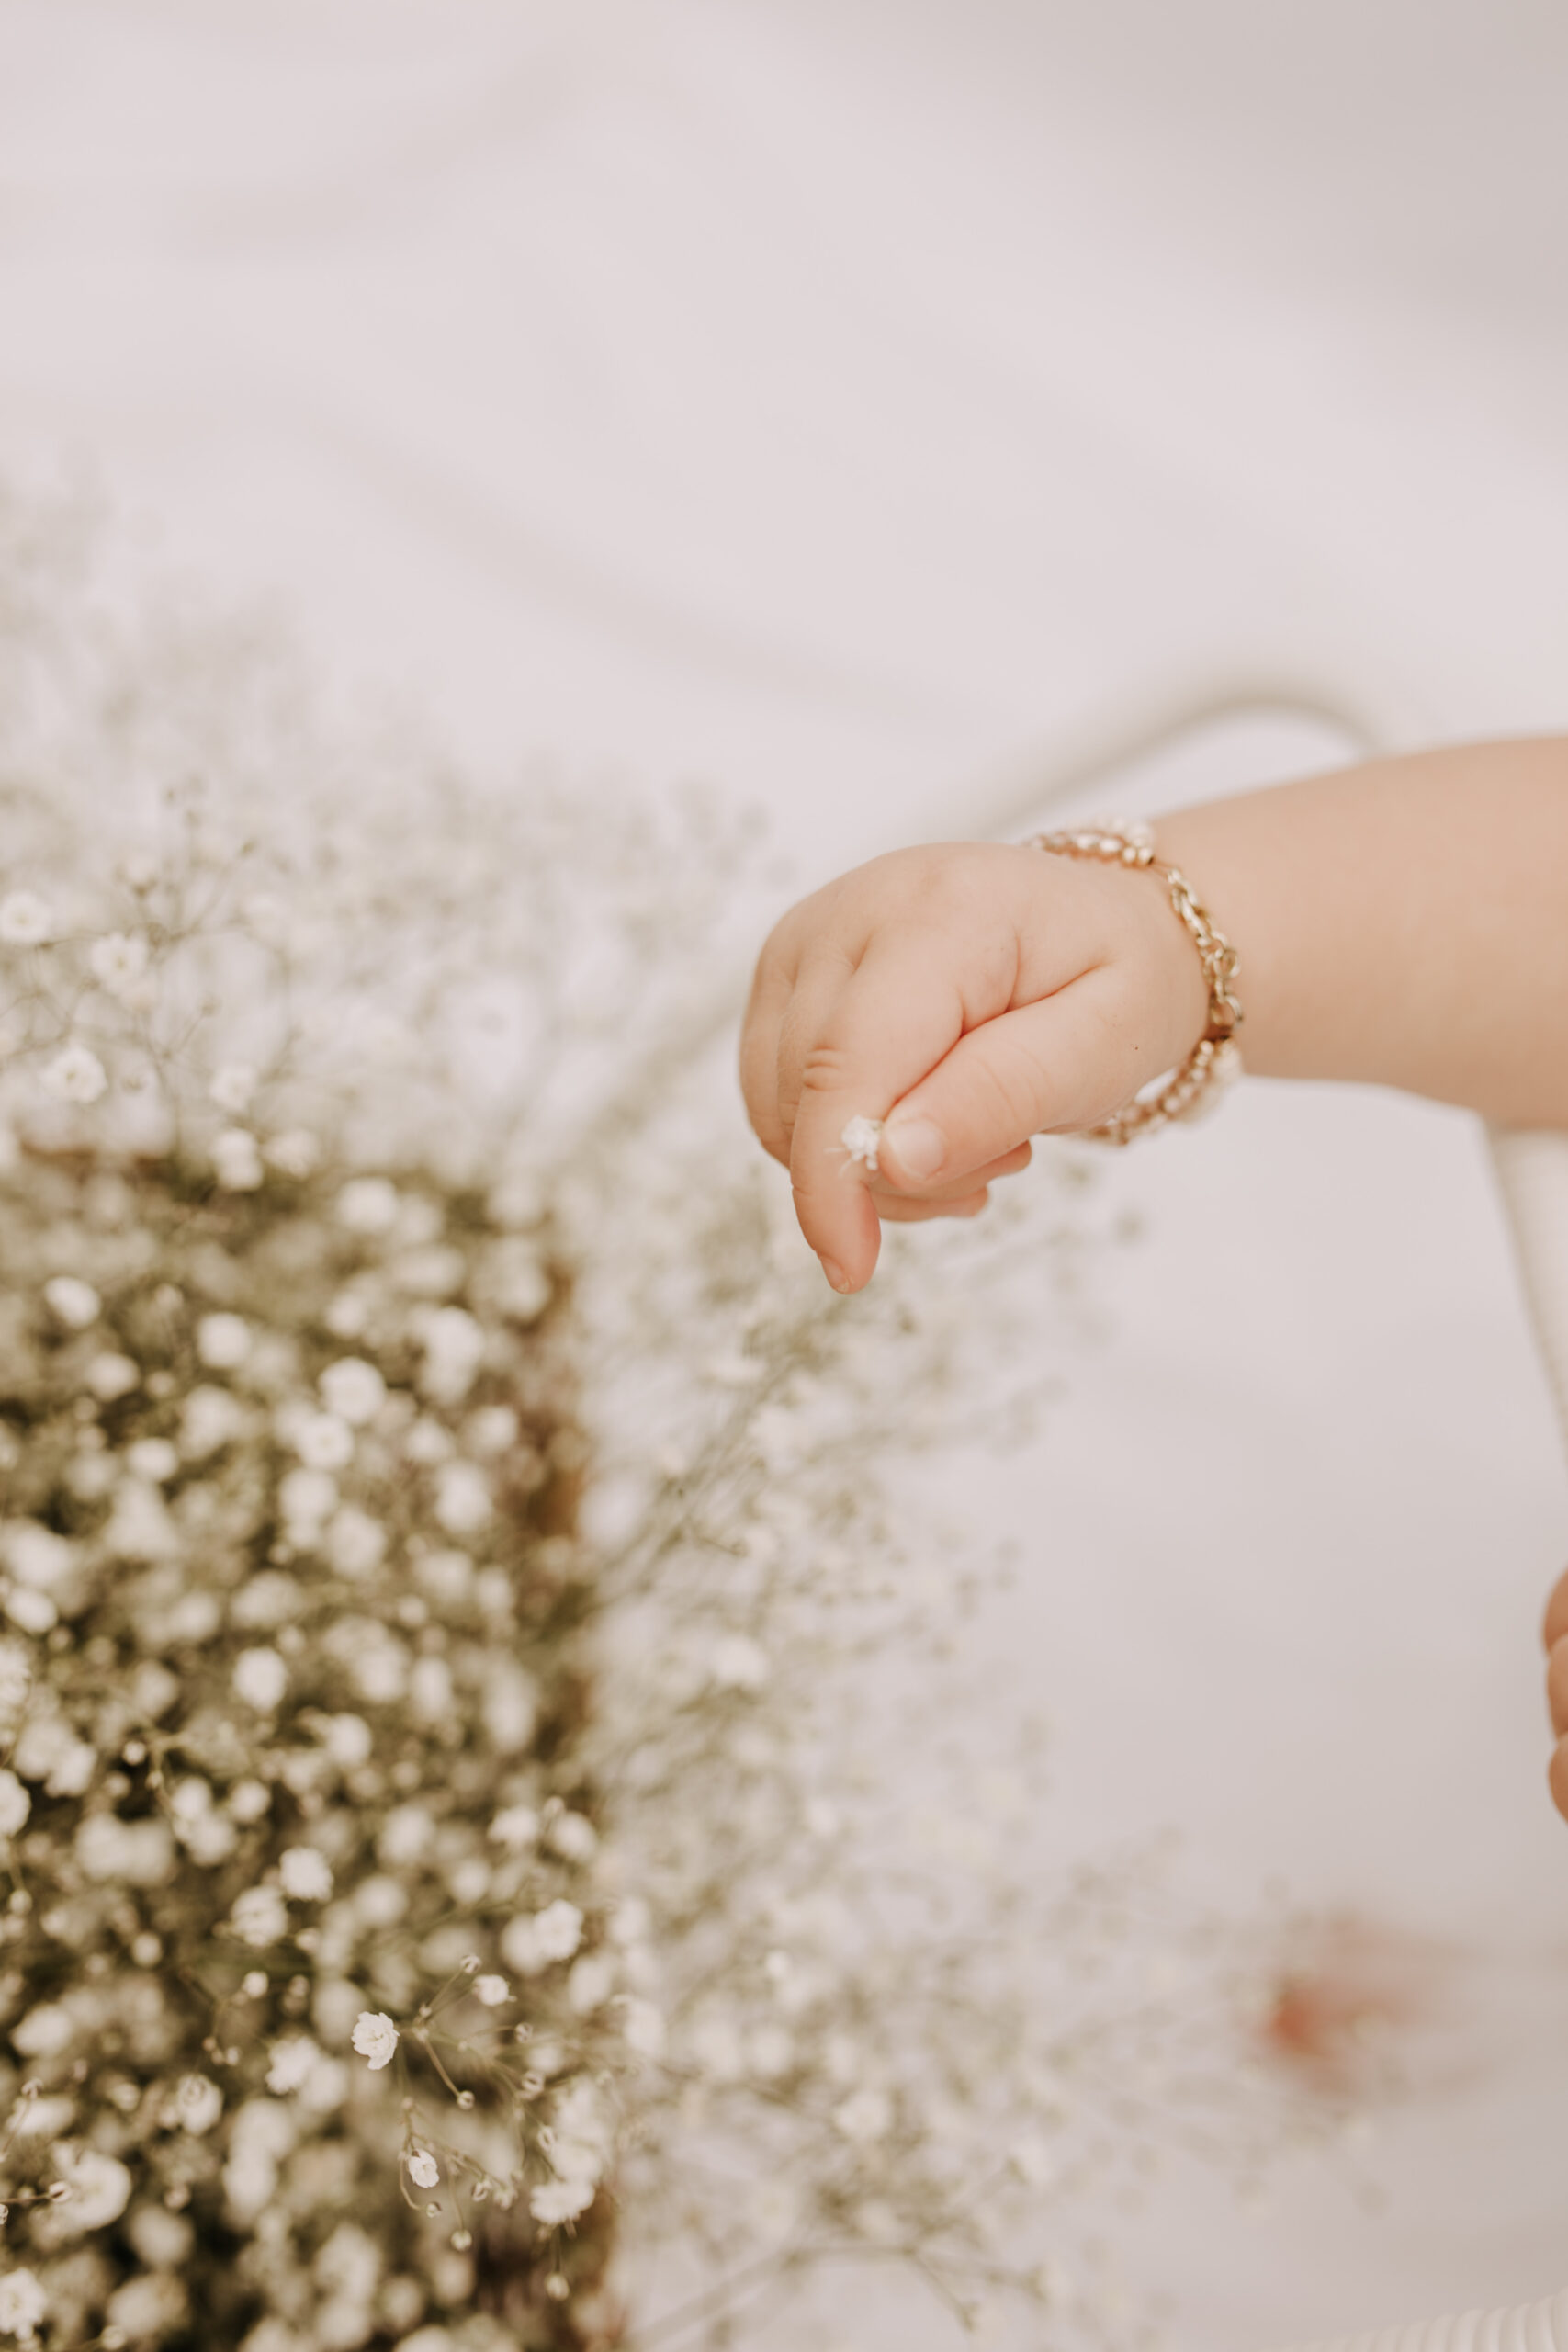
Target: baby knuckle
x,y
1011,1088
827,1070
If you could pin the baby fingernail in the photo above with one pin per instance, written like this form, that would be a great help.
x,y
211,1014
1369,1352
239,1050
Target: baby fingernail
x,y
919,1147
835,1275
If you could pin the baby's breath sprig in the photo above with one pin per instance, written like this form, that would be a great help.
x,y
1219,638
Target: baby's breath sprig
x,y
463,1829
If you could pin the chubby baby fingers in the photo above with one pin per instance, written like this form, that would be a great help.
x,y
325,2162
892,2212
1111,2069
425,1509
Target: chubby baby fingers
x,y
894,1210
939,1190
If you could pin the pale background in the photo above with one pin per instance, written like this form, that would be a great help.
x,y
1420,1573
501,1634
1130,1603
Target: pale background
x,y
863,406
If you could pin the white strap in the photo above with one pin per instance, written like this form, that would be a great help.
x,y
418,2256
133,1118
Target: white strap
x,y
1534,2327
1533,1171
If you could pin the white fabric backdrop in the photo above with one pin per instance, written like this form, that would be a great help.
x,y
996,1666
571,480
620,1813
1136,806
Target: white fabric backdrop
x,y
854,404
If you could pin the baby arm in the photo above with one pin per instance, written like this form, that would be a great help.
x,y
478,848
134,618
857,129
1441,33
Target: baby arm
x,y
1404,922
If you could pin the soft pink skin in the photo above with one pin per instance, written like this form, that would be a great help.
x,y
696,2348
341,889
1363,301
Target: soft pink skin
x,y
1554,1634
998,992
1405,922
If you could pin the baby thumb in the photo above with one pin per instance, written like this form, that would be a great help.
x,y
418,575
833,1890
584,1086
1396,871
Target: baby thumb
x,y
1042,1066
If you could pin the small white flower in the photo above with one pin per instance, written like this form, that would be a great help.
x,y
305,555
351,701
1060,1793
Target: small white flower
x,y
139,868
321,1441
260,1679
34,1612
162,2239
573,1836
76,1303
511,1702
36,1555
296,1152
463,1503
557,2201
516,1828
591,1983
152,1459
327,2087
306,1499
357,1545
374,2036
140,1527
110,1376
237,1161
50,1751
380,1668
492,1430
15,1804
198,2103
99,2186
471,1878
406,1836
859,1142
348,1315
348,1741
367,1205
353,1390
643,2028
424,2170
427,1443
519,1283
269,1597
864,2116
493,1991
533,1943
44,2031
26,920
146,2309
75,1075
738,1663
431,1694
380,1901
139,1853
293,2063
211,1420
454,1349
305,1875
222,1341
16,1681
118,961
258,1916
23,2305
233,1087
632,1922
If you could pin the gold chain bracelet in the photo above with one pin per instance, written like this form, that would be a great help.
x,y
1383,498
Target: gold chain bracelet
x,y
1215,1059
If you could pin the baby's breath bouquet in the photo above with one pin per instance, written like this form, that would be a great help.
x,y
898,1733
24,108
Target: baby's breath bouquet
x,y
302,1911
476,1876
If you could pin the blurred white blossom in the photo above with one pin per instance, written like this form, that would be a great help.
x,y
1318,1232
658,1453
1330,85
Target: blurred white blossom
x,y
118,961
76,1303
26,920
75,1075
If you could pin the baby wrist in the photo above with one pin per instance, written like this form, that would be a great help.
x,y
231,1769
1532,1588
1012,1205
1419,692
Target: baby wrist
x,y
1194,1087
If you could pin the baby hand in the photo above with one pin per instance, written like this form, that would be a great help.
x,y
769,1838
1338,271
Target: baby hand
x,y
970,996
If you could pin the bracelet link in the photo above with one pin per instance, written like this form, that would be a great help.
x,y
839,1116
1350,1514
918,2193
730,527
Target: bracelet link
x,y
1194,1087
